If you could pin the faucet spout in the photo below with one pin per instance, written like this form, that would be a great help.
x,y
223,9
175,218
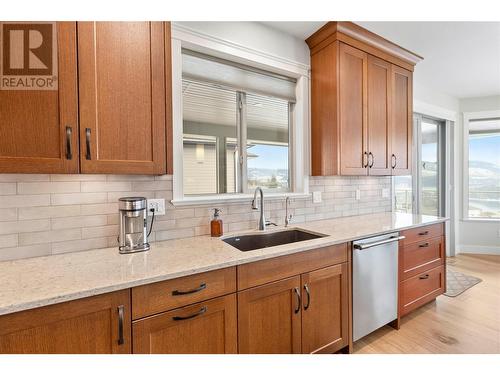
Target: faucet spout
x,y
255,206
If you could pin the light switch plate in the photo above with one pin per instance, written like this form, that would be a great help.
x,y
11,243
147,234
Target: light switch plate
x,y
385,193
316,196
158,205
358,194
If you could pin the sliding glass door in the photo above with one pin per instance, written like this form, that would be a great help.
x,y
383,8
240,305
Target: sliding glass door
x,y
422,192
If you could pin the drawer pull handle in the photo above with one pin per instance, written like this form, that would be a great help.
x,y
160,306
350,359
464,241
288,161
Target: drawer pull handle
x,y
423,277
306,288
203,310
121,340
181,293
297,294
424,233
424,245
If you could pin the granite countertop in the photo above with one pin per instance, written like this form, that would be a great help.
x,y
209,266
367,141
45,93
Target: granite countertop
x,y
35,282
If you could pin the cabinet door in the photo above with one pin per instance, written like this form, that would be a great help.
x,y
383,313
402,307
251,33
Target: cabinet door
x,y
353,114
39,128
204,328
91,325
402,110
325,305
269,318
379,116
122,97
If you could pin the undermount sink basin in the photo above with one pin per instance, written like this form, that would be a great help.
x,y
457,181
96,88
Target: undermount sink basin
x,y
247,242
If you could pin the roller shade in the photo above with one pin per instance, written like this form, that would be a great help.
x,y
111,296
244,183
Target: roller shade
x,y
199,67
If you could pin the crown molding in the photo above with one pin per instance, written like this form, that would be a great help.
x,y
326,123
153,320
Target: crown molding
x,y
223,48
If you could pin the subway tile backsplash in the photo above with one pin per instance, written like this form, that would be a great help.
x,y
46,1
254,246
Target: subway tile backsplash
x,y
52,214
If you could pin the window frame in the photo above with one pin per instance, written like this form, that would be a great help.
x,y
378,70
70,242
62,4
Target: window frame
x,y
467,118
185,38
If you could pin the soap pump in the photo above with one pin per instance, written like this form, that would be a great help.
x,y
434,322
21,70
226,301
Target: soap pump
x,y
216,224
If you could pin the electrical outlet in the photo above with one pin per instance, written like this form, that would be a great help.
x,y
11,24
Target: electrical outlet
x,y
385,193
358,194
316,196
158,205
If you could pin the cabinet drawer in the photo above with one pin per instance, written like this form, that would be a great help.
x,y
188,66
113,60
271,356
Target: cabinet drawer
x,y
265,271
420,289
205,328
423,233
166,295
421,256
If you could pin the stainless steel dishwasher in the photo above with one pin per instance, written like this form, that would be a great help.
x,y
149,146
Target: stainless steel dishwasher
x,y
374,283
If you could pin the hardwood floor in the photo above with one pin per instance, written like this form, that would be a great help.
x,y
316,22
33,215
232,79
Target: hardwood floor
x,y
468,323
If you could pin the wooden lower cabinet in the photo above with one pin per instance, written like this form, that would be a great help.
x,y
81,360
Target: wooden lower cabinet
x,y
269,318
325,300
302,314
204,328
91,325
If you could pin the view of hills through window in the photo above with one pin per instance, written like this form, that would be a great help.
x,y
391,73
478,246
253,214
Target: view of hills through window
x,y
484,169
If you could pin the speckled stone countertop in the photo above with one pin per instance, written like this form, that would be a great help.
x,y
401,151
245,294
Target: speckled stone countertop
x,y
35,282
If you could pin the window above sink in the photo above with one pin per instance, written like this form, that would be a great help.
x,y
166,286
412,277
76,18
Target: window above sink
x,y
237,124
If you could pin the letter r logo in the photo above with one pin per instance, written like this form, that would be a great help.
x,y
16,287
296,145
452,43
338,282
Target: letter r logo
x,y
27,49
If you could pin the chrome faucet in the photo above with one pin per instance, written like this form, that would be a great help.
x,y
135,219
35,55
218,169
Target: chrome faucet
x,y
288,218
262,219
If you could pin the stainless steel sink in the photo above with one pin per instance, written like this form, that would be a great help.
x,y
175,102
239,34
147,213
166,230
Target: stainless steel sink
x,y
247,242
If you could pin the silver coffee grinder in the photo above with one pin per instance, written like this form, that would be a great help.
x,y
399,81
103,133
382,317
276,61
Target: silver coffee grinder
x,y
133,225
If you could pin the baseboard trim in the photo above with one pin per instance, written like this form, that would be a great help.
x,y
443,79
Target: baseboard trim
x,y
489,250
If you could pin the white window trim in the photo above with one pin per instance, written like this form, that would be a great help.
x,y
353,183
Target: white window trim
x,y
183,37
467,117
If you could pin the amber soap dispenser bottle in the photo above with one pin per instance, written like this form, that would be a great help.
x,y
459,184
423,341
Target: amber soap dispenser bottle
x,y
216,224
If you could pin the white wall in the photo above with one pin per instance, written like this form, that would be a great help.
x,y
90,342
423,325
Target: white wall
x,y
432,98
478,237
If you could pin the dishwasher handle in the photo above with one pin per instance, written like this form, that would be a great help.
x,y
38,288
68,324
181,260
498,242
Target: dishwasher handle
x,y
359,246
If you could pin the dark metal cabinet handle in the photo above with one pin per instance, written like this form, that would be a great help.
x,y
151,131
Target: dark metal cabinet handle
x,y
365,154
69,151
87,143
424,233
424,245
394,161
306,288
372,159
203,310
297,293
181,293
424,277
121,340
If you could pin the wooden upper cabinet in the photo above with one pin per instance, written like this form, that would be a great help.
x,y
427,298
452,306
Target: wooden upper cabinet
x,y
269,318
402,123
94,325
209,327
39,128
361,93
122,97
379,116
352,116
